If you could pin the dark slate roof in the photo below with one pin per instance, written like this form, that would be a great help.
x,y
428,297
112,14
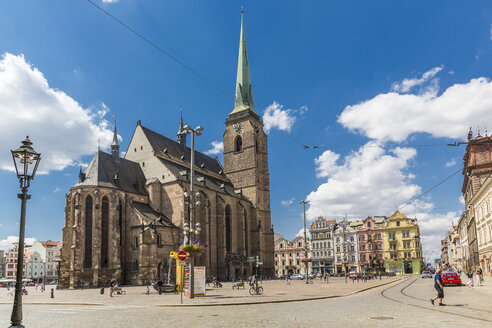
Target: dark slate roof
x,y
179,163
183,174
150,216
175,151
105,167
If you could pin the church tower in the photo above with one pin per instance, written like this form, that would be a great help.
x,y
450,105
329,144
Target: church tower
x,y
246,159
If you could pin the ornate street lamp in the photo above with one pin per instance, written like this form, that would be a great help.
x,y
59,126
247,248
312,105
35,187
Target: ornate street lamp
x,y
58,261
194,132
26,162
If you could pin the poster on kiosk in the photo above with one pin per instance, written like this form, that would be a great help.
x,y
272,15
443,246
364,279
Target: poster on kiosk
x,y
199,281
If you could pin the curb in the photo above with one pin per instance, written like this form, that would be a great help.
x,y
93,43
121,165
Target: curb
x,y
277,301
221,304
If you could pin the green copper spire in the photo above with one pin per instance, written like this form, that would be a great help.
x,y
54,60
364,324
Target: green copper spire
x,y
244,92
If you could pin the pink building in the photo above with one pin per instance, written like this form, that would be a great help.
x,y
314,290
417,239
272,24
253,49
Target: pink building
x,y
370,242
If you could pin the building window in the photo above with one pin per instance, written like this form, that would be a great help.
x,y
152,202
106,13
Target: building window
x,y
397,223
88,233
228,229
238,144
135,265
159,240
104,232
136,241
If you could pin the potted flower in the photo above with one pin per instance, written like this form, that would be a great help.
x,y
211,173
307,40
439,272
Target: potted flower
x,y
194,249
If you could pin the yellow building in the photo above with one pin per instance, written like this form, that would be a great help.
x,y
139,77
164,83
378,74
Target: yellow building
x,y
402,247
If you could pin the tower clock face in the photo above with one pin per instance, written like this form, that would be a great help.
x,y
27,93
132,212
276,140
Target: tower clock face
x,y
238,128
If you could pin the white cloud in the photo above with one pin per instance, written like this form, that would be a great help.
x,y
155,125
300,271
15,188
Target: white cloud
x,y
407,84
217,148
462,199
59,127
109,1
394,117
452,162
275,117
301,233
6,244
490,32
57,189
432,229
288,201
369,181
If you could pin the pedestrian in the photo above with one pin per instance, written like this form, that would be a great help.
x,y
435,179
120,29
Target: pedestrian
x,y
165,278
480,275
469,274
287,280
159,286
148,290
438,285
112,284
36,285
43,287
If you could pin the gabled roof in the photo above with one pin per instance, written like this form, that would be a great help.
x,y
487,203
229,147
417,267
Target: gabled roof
x,y
151,216
105,170
209,173
173,150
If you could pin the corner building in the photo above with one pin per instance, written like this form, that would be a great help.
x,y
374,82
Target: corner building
x,y
402,247
125,215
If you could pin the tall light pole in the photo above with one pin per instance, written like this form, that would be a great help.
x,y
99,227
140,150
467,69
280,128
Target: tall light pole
x,y
304,202
26,162
192,228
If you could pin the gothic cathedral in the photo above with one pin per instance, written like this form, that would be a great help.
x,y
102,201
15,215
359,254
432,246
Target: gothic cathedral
x,y
125,215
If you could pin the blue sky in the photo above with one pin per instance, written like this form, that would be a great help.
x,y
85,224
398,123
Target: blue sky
x,y
357,77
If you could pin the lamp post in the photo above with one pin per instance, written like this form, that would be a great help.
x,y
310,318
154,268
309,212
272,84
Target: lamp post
x,y
58,260
192,227
304,202
26,162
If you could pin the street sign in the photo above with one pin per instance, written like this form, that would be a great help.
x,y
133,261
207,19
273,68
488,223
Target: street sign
x,y
182,255
182,263
260,263
251,259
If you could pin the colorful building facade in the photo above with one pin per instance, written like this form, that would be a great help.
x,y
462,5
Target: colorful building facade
x,y
402,247
370,243
322,253
289,257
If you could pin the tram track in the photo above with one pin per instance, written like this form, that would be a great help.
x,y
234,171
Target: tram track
x,y
402,292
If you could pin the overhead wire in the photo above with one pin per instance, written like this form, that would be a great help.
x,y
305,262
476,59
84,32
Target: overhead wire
x,y
174,58
429,190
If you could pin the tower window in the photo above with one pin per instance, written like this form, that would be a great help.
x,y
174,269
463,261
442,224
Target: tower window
x,y
239,144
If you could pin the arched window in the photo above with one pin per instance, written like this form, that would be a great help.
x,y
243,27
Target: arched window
x,y
120,221
104,232
256,145
135,265
239,144
246,235
228,229
88,233
136,241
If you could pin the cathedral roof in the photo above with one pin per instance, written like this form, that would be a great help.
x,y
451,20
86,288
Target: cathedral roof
x,y
151,216
107,171
169,148
209,173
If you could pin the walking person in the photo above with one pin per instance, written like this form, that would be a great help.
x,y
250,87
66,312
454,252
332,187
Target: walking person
x,y
469,274
438,285
112,284
159,286
148,290
480,276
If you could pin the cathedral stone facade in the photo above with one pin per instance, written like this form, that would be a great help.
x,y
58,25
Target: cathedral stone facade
x,y
125,215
